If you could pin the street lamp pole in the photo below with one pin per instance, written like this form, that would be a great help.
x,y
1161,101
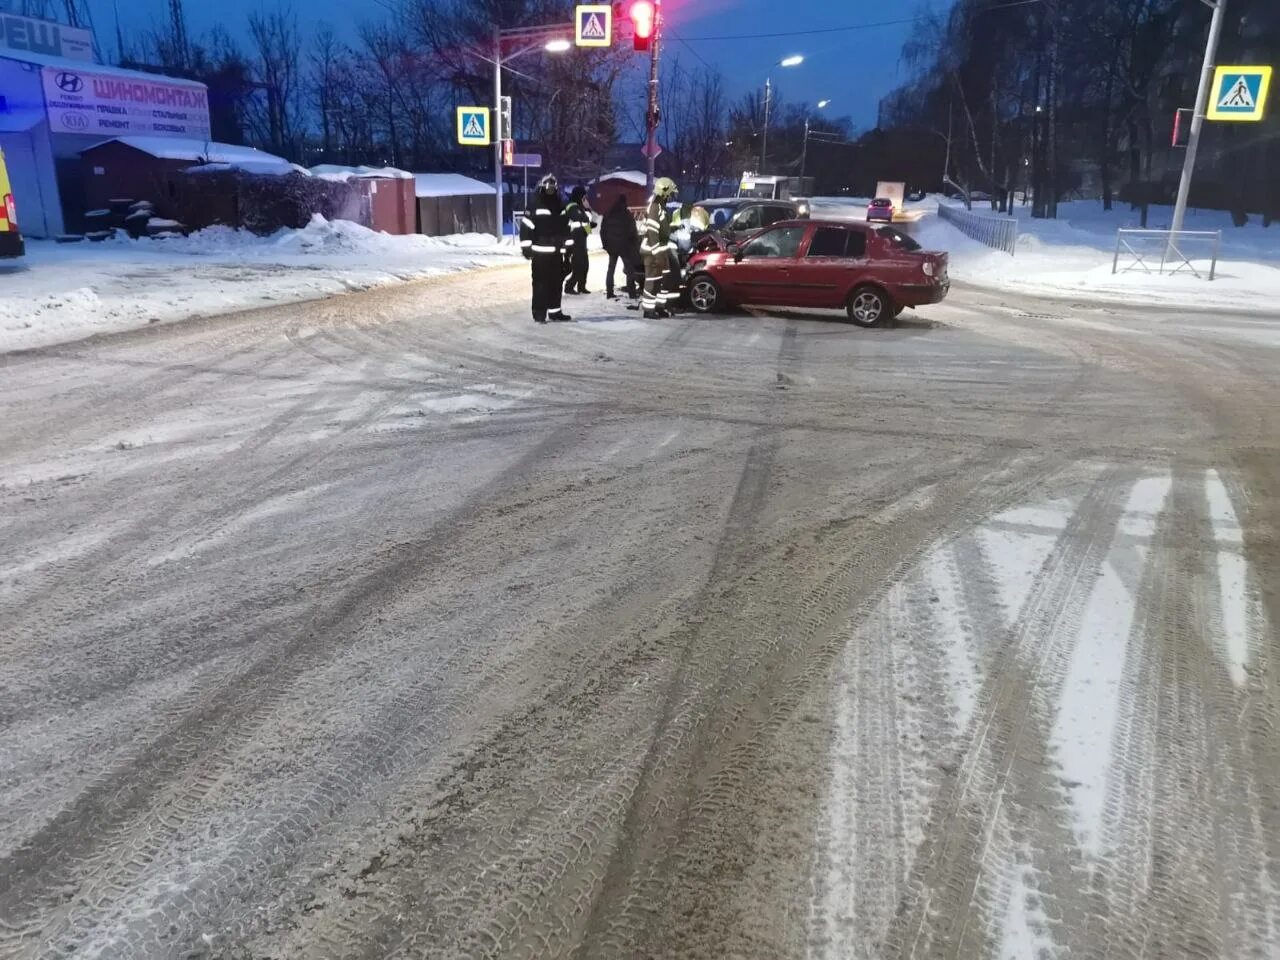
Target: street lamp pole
x,y
548,38
651,102
1197,118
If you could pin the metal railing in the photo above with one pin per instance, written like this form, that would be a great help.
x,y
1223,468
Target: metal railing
x,y
999,233
1141,247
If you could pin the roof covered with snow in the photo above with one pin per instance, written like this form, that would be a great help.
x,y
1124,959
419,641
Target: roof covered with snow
x,y
333,171
80,66
637,177
199,151
449,185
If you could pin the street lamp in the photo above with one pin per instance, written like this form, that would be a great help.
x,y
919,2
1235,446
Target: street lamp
x,y
539,38
804,150
792,61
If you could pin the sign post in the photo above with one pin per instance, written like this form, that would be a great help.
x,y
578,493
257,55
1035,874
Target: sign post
x,y
1197,118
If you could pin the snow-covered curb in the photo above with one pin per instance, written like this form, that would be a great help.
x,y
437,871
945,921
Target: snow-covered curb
x,y
66,292
1071,258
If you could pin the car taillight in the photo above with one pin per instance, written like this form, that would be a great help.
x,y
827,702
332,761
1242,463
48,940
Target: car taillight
x,y
10,211
928,268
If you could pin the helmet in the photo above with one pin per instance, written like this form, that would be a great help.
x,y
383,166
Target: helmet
x,y
549,183
665,188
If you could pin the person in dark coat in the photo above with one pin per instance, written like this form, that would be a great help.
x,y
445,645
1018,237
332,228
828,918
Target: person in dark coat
x,y
544,236
621,241
576,262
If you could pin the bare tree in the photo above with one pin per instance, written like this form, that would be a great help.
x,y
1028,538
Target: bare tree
x,y
277,53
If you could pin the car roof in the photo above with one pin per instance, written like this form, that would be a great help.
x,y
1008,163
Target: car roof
x,y
844,224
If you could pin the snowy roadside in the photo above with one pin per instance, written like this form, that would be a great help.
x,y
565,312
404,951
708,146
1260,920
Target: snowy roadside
x,y
1071,257
66,292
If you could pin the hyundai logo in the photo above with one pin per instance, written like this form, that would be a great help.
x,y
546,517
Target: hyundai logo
x,y
75,121
69,82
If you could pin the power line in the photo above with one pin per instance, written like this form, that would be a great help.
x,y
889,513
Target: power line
x,y
849,28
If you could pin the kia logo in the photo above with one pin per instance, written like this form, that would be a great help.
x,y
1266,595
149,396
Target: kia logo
x,y
69,82
75,121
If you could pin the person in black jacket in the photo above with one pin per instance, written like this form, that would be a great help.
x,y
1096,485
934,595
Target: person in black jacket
x,y
576,262
544,236
621,241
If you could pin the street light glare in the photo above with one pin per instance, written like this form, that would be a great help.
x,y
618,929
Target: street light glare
x,y
823,103
557,46
793,61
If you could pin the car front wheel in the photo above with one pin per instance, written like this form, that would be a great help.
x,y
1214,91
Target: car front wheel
x,y
869,306
704,294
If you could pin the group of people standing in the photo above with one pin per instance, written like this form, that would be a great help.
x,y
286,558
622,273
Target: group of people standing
x,y
553,236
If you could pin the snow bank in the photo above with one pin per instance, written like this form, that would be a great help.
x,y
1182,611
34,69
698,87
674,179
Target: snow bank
x,y
64,292
1072,256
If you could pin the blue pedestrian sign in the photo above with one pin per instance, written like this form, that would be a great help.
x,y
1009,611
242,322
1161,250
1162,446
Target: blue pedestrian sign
x,y
473,126
593,25
1239,93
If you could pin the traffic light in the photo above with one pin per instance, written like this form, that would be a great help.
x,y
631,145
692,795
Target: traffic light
x,y
643,21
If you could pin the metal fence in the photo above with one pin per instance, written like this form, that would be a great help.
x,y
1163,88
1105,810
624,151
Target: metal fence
x,y
1140,248
1000,233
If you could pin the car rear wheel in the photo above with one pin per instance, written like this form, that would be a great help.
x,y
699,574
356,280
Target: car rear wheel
x,y
705,295
869,306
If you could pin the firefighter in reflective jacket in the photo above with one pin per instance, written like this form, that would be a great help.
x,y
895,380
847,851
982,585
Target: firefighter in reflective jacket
x,y
576,254
655,248
544,236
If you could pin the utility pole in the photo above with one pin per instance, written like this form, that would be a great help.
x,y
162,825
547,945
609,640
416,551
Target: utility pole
x,y
651,106
804,152
764,139
1197,118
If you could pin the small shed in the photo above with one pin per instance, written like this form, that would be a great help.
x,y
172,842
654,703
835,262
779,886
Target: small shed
x,y
604,190
151,168
451,203
392,200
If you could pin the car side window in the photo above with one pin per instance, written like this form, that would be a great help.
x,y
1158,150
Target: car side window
x,y
773,214
748,219
838,242
782,242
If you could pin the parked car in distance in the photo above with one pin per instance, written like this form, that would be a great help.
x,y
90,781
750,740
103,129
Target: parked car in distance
x,y
739,217
11,244
872,272
881,208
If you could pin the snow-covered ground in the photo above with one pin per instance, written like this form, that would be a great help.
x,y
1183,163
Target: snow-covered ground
x,y
1072,255
66,292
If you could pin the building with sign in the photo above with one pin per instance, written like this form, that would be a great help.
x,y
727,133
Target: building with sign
x,y
55,102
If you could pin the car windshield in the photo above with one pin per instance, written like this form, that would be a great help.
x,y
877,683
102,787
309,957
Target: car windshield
x,y
898,238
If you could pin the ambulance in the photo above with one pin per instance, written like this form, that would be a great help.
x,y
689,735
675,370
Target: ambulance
x,y
10,238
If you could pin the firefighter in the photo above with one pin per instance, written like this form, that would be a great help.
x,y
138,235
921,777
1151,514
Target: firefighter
x,y
576,253
544,236
655,248
679,249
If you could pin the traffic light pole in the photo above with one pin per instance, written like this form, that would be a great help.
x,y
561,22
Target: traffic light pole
x,y
1197,118
651,108
497,140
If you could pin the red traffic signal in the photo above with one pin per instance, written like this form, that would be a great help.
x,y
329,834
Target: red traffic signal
x,y
643,20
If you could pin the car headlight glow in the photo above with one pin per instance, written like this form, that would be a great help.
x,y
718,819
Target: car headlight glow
x,y
928,269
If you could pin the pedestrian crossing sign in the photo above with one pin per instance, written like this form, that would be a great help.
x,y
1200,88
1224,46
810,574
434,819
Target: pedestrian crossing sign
x,y
593,25
473,126
1239,93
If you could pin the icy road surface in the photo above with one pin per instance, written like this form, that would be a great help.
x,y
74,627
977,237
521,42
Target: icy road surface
x,y
395,626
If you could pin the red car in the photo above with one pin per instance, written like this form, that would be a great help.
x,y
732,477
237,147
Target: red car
x,y
873,272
